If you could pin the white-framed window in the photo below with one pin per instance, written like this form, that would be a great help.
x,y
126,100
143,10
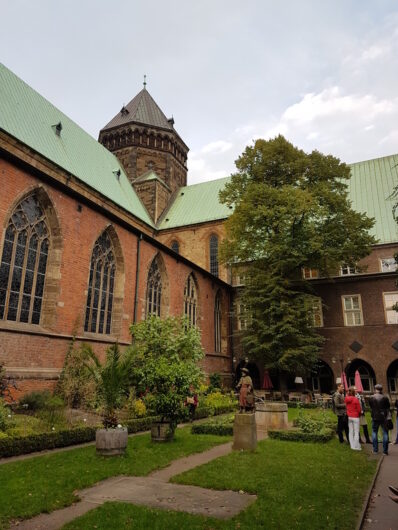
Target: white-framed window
x,y
241,316
388,265
317,314
352,309
347,270
390,299
309,273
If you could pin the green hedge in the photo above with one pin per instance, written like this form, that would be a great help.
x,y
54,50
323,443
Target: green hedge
x,y
220,429
296,435
297,404
19,445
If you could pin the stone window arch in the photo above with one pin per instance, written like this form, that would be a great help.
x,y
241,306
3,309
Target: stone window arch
x,y
30,261
217,323
105,286
191,300
157,293
213,253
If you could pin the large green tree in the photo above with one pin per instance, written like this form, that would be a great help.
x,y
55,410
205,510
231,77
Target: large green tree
x,y
291,210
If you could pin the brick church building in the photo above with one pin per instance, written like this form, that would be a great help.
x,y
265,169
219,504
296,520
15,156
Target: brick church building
x,y
95,235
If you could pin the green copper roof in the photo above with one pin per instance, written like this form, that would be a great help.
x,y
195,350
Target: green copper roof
x,y
194,204
30,118
370,188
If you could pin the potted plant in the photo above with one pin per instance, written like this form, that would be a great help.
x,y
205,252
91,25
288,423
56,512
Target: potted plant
x,y
112,379
164,360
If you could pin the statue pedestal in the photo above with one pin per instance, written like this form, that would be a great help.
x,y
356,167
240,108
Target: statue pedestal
x,y
271,416
245,433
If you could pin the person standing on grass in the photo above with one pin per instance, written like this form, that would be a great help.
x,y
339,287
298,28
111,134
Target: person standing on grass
x,y
339,409
396,420
353,414
362,420
380,407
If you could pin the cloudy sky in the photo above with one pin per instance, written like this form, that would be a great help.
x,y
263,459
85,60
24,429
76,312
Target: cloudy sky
x,y
324,74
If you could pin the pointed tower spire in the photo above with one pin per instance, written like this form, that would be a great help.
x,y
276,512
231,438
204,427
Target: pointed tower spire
x,y
144,82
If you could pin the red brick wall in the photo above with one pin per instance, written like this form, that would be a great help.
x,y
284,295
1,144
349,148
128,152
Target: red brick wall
x,y
79,232
375,335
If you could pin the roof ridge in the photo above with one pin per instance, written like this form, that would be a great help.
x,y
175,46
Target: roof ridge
x,y
371,159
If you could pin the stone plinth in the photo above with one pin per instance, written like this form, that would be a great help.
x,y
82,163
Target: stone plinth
x,y
245,433
271,416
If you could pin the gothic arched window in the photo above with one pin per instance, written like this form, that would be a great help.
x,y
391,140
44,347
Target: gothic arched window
x,y
217,323
154,290
190,300
101,287
24,263
214,255
175,246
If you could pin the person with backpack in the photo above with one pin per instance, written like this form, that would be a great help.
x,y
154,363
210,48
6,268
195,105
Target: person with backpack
x,y
339,409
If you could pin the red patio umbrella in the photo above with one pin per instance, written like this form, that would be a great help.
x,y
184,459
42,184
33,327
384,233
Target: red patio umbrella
x,y
344,380
267,383
358,382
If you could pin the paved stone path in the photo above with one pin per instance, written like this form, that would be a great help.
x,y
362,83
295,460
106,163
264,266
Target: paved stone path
x,y
382,513
154,491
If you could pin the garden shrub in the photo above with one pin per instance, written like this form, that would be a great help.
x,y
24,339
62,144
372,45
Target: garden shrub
x,y
297,405
220,427
135,407
36,400
77,385
217,399
297,435
6,384
215,382
4,412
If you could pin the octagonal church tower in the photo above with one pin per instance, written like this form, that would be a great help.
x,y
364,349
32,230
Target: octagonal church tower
x,y
150,149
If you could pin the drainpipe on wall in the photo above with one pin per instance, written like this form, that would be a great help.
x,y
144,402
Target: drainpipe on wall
x,y
230,338
137,277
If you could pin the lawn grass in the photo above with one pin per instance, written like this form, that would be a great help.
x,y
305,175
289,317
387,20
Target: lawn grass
x,y
46,483
301,486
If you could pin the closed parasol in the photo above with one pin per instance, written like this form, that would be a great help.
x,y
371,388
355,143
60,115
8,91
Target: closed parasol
x,y
267,383
344,380
358,382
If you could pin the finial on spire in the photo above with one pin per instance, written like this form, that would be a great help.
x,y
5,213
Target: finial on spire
x,y
144,80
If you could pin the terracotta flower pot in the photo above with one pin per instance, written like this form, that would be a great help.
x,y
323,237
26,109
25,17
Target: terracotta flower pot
x,y
111,442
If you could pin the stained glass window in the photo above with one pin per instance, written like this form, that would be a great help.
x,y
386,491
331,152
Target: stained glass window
x,y
190,300
154,290
24,262
214,255
100,287
217,324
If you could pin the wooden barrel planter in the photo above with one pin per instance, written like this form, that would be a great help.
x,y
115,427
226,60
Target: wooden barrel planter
x,y
161,431
111,442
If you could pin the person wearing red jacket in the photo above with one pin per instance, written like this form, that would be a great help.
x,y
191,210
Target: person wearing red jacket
x,y
353,412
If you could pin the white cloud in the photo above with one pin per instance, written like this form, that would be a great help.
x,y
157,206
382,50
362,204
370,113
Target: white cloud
x,y
220,146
